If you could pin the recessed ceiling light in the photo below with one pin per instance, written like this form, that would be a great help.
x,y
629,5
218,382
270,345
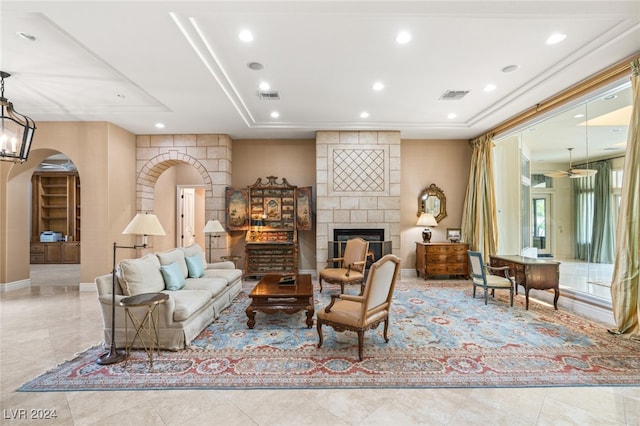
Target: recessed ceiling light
x,y
451,115
26,36
377,86
610,97
510,68
264,86
364,114
614,130
489,87
246,36
578,116
256,66
121,96
159,126
556,38
275,114
403,37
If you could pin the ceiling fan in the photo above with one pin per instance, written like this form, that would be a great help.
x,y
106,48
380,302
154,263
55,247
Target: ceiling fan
x,y
572,173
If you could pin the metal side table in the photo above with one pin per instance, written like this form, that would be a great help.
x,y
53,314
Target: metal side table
x,y
147,327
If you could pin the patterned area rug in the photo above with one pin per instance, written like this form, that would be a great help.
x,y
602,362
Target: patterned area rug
x,y
439,337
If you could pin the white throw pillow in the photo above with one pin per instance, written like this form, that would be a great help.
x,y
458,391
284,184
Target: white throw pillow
x,y
141,275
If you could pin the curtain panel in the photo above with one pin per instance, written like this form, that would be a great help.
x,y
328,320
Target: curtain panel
x,y
594,222
479,226
626,271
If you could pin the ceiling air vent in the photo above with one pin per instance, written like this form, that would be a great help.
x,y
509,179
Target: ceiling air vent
x,y
270,96
453,95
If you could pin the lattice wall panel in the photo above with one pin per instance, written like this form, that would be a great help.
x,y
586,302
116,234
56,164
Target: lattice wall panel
x,y
358,170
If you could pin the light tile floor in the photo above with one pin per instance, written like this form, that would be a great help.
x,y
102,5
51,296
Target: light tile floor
x,y
45,325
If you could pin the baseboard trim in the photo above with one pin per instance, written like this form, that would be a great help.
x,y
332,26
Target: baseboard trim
x,y
16,285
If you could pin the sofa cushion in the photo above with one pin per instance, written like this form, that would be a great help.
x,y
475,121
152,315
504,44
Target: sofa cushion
x,y
230,275
174,256
213,286
187,302
195,265
141,275
193,250
172,274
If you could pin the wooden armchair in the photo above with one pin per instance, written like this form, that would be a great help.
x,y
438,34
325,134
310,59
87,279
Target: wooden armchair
x,y
365,311
351,266
489,281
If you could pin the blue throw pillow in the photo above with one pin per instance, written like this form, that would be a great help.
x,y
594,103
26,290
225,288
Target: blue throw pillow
x,y
173,278
195,265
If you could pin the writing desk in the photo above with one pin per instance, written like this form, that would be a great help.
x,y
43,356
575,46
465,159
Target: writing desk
x,y
538,274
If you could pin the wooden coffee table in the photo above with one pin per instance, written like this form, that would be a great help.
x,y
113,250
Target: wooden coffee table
x,y
269,297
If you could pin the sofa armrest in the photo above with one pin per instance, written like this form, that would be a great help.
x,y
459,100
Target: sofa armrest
x,y
165,309
227,264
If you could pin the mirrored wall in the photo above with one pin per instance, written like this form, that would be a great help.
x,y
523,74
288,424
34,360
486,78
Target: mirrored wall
x,y
566,169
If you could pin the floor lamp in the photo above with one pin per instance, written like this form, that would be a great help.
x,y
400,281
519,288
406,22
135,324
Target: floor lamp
x,y
213,227
141,224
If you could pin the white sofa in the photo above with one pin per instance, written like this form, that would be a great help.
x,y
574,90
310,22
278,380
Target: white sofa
x,y
198,293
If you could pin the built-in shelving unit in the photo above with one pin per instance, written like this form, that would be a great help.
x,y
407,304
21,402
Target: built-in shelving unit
x,y
55,208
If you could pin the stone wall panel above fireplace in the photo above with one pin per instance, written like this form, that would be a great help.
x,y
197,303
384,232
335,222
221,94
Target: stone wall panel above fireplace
x,y
358,177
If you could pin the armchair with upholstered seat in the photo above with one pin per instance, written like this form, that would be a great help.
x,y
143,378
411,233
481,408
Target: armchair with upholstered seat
x,y
350,267
489,281
365,311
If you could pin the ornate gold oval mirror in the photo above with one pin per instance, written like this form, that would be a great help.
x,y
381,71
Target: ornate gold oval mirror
x,y
432,200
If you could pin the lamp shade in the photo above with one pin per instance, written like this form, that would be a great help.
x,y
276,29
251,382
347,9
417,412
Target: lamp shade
x,y
213,227
427,219
144,224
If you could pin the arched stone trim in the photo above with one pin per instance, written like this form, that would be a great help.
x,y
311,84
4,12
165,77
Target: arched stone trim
x,y
152,169
210,154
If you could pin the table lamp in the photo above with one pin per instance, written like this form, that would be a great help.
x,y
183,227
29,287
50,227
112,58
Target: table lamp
x,y
426,220
213,227
142,224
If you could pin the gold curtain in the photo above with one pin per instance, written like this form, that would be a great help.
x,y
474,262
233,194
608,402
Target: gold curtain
x,y
479,227
624,284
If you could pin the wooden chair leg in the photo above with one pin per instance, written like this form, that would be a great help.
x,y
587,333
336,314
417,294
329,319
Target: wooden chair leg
x,y
386,328
319,327
320,284
360,343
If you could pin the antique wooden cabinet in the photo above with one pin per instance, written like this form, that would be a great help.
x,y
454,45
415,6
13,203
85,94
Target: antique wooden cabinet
x,y
442,259
271,212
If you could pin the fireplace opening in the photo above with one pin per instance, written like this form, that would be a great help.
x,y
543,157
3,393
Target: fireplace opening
x,y
378,247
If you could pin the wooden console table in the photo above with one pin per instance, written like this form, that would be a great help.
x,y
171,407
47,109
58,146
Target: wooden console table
x,y
532,273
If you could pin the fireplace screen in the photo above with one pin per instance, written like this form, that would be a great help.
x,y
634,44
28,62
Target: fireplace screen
x,y
378,247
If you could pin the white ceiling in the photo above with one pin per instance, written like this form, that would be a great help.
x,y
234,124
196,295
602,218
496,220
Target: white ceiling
x,y
181,63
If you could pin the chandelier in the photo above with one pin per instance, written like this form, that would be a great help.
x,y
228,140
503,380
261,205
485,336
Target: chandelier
x,y
16,130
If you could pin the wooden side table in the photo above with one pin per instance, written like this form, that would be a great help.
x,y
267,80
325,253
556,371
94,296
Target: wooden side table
x,y
147,327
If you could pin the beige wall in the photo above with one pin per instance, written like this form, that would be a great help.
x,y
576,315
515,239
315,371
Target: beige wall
x,y
165,195
444,163
105,157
